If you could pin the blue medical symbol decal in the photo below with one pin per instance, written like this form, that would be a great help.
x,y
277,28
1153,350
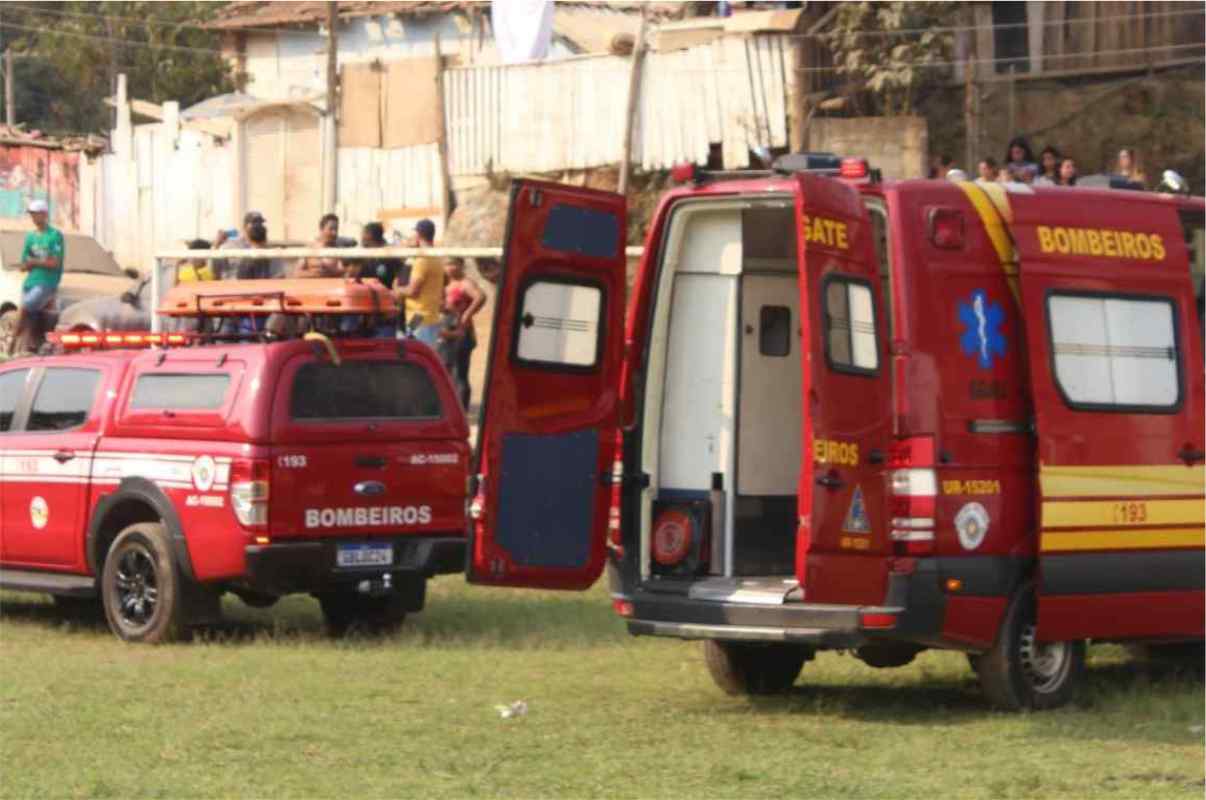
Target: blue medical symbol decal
x,y
983,319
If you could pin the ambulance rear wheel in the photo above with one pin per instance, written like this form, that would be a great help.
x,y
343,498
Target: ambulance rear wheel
x,y
752,668
1020,671
141,587
346,611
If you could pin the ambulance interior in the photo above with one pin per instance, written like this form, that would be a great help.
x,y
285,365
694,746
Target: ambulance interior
x,y
722,413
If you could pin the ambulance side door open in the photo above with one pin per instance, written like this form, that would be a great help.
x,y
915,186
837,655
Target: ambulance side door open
x,y
1116,371
842,544
547,440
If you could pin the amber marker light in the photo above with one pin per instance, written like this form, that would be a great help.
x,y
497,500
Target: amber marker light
x,y
954,585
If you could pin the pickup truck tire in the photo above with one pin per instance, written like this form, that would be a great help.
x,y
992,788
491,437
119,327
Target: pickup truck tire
x,y
345,611
1020,672
741,668
141,586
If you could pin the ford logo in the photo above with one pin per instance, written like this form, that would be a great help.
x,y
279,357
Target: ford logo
x,y
369,488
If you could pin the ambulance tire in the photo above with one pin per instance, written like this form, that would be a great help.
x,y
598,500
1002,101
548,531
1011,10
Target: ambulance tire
x,y
348,611
141,586
1020,672
745,668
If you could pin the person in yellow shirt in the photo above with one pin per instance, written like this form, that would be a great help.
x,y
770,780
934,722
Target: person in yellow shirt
x,y
423,292
196,269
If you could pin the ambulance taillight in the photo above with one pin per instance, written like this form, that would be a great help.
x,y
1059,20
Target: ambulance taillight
x,y
249,491
914,495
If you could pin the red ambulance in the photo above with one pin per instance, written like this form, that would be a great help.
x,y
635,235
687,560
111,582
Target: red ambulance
x,y
855,414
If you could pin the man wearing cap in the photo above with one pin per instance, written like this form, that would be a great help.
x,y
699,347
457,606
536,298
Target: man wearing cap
x,y
253,236
423,293
43,257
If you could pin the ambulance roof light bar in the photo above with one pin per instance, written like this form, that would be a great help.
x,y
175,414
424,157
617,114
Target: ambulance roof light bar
x,y
118,340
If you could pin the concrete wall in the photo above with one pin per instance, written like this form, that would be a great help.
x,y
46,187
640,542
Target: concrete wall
x,y
899,146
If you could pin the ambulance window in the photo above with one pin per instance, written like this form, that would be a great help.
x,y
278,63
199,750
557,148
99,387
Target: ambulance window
x,y
12,385
1194,228
879,238
180,392
850,342
64,398
558,324
774,334
363,390
574,229
1115,353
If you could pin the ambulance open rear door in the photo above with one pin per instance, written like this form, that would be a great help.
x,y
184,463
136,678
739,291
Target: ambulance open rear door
x,y
547,439
1117,379
842,542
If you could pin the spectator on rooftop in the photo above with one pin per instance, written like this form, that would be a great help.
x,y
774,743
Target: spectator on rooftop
x,y
987,169
1019,158
1067,172
1048,167
1128,166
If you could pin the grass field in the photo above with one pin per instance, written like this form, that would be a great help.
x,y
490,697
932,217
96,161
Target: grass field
x,y
268,707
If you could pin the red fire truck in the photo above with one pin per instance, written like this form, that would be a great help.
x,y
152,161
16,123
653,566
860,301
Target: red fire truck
x,y
855,414
149,473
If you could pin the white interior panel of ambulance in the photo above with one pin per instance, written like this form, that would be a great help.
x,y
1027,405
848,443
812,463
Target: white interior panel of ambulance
x,y
722,412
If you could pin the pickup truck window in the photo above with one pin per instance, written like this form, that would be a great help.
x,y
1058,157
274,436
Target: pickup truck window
x,y
363,390
11,385
64,399
181,392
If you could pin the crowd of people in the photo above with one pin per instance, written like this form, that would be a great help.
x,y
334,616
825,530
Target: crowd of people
x,y
1051,168
437,297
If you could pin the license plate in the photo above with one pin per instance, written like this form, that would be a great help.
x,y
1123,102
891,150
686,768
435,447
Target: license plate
x,y
364,555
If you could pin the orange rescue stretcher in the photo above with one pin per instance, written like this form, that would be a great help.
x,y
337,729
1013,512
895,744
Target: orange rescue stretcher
x,y
300,296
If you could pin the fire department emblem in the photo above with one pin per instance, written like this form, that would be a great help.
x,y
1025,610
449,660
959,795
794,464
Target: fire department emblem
x,y
982,337
971,523
39,512
203,473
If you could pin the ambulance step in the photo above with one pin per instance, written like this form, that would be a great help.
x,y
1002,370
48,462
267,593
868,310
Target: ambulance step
x,y
754,591
53,583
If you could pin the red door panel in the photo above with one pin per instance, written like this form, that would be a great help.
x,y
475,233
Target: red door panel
x,y
842,541
1116,370
547,434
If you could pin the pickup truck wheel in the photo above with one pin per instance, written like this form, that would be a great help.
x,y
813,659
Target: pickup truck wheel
x,y
345,611
140,586
1020,671
747,668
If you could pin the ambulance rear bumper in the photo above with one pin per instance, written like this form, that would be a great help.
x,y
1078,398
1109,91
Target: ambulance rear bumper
x,y
913,611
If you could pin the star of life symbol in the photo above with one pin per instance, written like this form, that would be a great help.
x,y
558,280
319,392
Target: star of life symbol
x,y
982,320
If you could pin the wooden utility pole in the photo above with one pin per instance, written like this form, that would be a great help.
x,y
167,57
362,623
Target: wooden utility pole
x,y
331,139
634,96
442,132
10,113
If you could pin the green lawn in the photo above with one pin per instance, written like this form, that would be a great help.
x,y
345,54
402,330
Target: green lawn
x,y
267,707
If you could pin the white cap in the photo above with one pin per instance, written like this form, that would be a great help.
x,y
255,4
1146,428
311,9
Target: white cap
x,y
37,207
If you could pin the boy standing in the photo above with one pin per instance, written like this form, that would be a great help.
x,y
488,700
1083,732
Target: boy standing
x,y
42,256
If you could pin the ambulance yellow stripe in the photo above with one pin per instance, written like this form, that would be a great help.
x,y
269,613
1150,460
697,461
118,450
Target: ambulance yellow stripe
x,y
992,205
1091,513
1122,481
1138,539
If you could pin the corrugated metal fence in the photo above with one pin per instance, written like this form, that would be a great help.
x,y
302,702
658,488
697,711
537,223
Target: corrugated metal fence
x,y
570,114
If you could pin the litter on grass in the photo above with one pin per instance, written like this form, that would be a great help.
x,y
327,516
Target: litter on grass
x,y
516,709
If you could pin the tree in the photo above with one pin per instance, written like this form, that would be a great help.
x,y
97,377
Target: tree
x,y
70,54
888,51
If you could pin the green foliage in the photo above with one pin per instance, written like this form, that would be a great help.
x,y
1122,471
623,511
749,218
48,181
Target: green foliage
x,y
70,53
885,51
265,706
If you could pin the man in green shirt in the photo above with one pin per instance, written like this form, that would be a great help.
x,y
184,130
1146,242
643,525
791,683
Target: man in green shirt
x,y
43,257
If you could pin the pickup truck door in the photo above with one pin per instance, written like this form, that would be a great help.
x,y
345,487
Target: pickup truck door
x,y
546,439
842,543
1116,371
46,468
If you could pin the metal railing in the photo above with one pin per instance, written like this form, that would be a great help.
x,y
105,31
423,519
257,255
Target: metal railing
x,y
174,258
